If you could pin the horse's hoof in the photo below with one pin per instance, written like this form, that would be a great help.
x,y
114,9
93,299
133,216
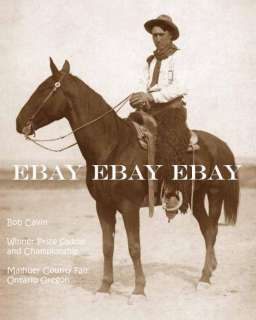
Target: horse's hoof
x,y
202,286
137,298
101,296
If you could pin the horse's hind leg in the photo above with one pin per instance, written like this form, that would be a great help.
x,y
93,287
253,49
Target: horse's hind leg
x,y
107,221
132,225
215,204
208,226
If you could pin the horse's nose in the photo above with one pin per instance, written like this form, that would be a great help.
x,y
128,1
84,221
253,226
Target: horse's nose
x,y
18,125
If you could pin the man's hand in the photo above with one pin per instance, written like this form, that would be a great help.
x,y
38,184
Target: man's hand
x,y
141,100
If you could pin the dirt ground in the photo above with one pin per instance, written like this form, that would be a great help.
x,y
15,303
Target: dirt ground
x,y
172,256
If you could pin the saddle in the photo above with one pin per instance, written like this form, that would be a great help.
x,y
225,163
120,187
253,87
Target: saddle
x,y
146,128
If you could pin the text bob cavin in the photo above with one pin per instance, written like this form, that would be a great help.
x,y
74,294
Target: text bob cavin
x,y
121,172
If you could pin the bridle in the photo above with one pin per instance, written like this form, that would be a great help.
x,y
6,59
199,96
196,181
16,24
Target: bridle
x,y
30,126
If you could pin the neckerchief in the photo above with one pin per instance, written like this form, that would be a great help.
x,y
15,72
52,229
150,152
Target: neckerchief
x,y
160,55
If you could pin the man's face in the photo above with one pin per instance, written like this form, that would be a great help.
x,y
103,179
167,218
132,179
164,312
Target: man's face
x,y
160,37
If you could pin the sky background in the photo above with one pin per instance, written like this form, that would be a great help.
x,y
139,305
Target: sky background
x,y
106,45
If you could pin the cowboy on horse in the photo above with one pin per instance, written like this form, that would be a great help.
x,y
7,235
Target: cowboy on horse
x,y
162,90
105,138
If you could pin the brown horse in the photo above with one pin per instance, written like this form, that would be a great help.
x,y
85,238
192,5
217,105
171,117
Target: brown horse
x,y
112,140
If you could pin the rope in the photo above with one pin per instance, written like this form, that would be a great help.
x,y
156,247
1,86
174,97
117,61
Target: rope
x,y
50,149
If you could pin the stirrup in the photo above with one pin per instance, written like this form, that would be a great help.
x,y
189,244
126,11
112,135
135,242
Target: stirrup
x,y
165,200
193,142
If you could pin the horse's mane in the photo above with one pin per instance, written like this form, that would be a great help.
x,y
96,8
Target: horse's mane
x,y
115,127
93,98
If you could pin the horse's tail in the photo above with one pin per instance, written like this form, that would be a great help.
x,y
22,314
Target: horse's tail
x,y
231,201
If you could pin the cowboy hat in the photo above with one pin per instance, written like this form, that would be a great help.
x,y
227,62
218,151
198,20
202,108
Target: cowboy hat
x,y
163,20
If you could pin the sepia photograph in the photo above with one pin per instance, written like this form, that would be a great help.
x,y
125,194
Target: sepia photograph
x,y
128,163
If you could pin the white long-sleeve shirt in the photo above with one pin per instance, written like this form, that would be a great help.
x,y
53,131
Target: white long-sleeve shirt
x,y
169,84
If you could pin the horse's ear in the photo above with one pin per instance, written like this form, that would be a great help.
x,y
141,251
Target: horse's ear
x,y
54,69
66,67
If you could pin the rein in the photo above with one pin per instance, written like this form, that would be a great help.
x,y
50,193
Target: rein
x,y
57,85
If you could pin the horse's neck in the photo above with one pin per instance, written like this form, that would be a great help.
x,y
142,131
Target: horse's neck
x,y
99,139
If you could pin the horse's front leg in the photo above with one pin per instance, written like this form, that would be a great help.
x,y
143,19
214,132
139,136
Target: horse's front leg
x,y
132,225
107,221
